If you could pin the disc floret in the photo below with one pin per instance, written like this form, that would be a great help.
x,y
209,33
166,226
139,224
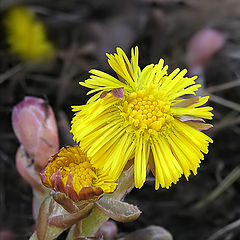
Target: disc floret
x,y
147,110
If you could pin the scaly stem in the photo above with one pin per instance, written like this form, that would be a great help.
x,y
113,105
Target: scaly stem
x,y
91,224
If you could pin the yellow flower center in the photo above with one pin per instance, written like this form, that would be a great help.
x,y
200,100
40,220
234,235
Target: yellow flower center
x,y
147,109
79,166
69,171
82,171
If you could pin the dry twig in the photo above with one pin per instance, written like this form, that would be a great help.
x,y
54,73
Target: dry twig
x,y
225,230
11,72
225,102
223,86
221,188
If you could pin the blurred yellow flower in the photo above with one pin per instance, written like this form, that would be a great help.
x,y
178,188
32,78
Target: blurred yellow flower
x,y
26,35
71,172
142,115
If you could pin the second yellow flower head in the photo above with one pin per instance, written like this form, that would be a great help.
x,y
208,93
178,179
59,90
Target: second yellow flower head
x,y
26,35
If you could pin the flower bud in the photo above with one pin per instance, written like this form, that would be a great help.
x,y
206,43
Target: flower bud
x,y
35,126
28,173
26,170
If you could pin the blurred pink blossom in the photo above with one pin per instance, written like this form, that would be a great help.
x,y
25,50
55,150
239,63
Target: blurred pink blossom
x,y
6,234
108,230
201,48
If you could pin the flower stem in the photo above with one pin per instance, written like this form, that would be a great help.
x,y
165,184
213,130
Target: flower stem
x,y
91,224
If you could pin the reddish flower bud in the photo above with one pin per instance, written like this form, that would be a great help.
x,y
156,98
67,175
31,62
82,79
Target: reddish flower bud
x,y
27,171
35,126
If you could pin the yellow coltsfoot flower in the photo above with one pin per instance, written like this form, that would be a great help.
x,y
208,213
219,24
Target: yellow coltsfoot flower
x,y
71,172
26,35
142,115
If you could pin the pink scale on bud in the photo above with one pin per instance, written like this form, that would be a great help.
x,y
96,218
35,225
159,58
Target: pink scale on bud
x,y
56,181
35,126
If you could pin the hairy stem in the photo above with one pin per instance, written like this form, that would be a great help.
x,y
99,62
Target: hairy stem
x,y
91,224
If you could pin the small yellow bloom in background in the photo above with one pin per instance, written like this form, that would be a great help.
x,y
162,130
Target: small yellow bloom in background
x,y
26,35
143,115
71,172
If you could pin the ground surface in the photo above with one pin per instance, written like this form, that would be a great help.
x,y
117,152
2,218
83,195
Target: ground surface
x,y
83,31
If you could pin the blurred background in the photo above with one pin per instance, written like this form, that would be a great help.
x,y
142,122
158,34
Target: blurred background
x,y
202,36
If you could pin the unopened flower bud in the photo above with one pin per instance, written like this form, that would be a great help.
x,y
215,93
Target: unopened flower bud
x,y
27,171
35,126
